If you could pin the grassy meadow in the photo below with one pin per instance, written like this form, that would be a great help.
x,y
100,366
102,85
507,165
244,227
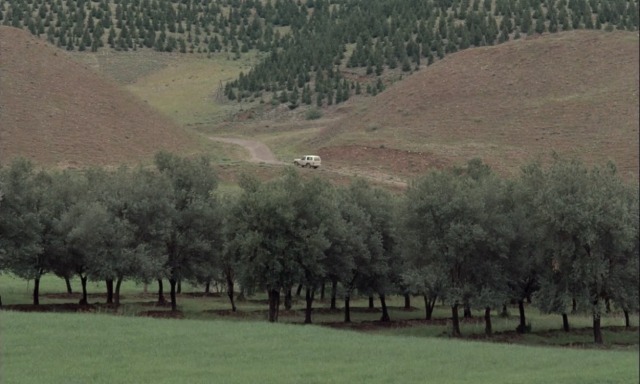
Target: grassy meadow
x,y
210,344
93,348
186,88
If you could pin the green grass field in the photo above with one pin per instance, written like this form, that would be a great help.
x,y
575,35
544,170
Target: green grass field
x,y
211,345
90,348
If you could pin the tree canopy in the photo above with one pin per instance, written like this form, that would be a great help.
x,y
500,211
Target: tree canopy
x,y
564,237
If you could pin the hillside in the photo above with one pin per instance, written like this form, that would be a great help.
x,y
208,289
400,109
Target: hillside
x,y
575,93
58,112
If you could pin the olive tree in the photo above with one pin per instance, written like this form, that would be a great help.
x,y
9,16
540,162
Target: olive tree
x,y
263,221
186,239
592,225
28,213
443,232
282,232
379,274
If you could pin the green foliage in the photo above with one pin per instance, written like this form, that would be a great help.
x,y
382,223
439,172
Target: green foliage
x,y
193,227
591,223
281,232
21,213
313,114
563,235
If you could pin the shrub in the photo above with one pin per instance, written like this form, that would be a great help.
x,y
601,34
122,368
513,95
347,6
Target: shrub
x,y
313,114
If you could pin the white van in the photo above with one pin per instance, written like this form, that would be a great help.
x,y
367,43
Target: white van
x,y
308,161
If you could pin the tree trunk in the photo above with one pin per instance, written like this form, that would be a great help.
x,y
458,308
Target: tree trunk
x,y
83,282
161,299
179,286
574,306
274,303
172,284
36,291
309,292
241,296
68,284
456,321
288,299
334,292
429,305
299,290
116,296
565,322
347,310
467,312
371,306
597,331
487,321
207,287
230,293
627,324
505,311
322,291
522,328
607,304
385,312
407,301
109,284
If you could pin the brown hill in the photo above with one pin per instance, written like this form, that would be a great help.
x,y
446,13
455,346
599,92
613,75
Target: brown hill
x,y
574,93
58,112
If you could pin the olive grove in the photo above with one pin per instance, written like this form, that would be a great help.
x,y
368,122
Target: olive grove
x,y
564,237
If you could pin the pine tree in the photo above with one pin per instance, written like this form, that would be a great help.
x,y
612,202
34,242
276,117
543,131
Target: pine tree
x,y
339,94
283,98
294,97
306,95
345,93
430,58
70,45
112,37
540,27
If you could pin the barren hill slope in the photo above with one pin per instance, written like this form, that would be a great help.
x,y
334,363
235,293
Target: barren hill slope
x,y
58,112
575,93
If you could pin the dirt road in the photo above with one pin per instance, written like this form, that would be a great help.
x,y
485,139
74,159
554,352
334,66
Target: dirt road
x,y
259,152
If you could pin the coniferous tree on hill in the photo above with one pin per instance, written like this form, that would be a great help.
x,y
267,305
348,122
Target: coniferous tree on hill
x,y
371,35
